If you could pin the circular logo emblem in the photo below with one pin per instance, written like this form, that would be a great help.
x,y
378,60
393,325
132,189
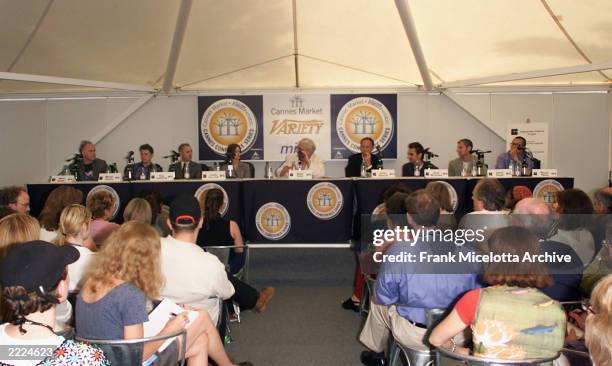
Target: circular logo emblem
x,y
200,195
547,189
114,194
364,117
325,200
228,121
453,194
273,221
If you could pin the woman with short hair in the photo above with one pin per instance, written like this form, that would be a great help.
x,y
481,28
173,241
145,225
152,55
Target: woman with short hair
x,y
57,200
510,319
101,205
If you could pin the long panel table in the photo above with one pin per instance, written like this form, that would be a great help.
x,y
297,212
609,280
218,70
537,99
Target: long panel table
x,y
290,211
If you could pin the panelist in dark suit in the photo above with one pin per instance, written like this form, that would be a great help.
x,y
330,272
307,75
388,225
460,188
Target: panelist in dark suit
x,y
185,168
415,167
89,167
353,168
143,169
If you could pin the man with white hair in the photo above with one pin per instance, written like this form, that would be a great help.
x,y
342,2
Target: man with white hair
x,y
535,215
304,158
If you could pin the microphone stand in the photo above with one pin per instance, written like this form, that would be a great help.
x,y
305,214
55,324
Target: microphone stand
x,y
427,156
130,166
481,167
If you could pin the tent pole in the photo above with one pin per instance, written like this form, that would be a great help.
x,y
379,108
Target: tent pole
x,y
295,44
404,12
453,97
75,82
530,75
177,43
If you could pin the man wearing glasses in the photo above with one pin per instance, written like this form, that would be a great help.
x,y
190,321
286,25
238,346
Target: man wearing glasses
x,y
16,198
515,156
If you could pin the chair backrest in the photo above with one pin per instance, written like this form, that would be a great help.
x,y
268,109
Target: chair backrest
x,y
445,357
129,351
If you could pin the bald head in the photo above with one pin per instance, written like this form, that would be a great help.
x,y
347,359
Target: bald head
x,y
535,215
603,201
531,206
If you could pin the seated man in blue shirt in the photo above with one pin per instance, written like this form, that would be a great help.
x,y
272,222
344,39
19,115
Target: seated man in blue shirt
x,y
516,154
143,169
404,291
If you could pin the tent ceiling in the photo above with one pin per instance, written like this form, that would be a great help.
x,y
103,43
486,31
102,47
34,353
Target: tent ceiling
x,y
256,44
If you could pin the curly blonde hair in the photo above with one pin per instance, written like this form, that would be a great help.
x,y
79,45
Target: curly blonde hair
x,y
598,334
131,254
17,228
72,219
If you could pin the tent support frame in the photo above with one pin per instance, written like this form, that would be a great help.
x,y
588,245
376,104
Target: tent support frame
x,y
453,97
75,82
177,43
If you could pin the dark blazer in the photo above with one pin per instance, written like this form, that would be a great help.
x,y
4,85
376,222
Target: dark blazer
x,y
99,166
408,169
353,168
195,170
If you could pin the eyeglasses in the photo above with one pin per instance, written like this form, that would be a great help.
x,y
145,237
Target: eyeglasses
x,y
586,306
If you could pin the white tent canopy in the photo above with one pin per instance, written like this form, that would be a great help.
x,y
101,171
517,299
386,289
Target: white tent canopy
x,y
206,45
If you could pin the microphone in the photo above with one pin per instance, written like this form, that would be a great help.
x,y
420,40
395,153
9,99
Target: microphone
x,y
430,154
228,157
129,156
76,157
173,155
477,152
300,155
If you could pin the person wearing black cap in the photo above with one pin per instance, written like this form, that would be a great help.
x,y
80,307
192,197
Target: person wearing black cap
x,y
34,280
195,277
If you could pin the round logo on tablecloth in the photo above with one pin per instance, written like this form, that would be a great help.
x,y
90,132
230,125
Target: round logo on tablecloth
x,y
325,200
364,117
273,221
228,121
200,195
113,193
547,189
452,192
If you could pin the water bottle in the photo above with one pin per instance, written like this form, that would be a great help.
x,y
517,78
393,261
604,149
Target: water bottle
x,y
417,171
230,170
66,170
511,167
364,172
142,175
268,171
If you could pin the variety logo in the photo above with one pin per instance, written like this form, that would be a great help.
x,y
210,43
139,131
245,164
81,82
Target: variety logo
x,y
273,221
200,195
325,200
228,121
111,190
364,117
547,190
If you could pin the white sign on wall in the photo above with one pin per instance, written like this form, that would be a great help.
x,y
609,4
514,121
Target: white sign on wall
x,y
536,135
288,118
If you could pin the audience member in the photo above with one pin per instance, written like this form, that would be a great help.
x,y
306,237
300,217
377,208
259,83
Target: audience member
x,y
465,162
160,217
185,168
440,192
510,319
405,291
415,167
488,198
34,280
89,167
304,158
598,332
239,168
74,231
5,211
101,205
516,194
575,212
200,278
535,215
17,198
57,200
364,158
602,205
218,231
17,228
138,209
143,169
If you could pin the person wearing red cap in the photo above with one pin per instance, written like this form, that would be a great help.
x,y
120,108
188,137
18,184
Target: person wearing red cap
x,y
34,280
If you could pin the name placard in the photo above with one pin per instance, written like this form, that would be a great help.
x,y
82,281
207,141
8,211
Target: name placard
x,y
499,173
383,173
436,173
213,175
162,176
544,172
110,177
300,174
62,179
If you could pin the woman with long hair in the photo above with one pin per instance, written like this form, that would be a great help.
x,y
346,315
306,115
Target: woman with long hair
x,y
74,231
598,332
49,217
138,209
112,302
510,319
239,169
17,228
